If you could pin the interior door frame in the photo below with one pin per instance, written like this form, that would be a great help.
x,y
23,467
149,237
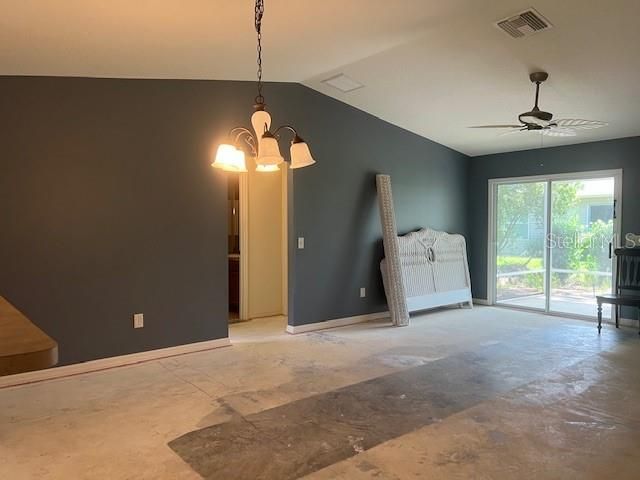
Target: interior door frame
x,y
243,186
493,184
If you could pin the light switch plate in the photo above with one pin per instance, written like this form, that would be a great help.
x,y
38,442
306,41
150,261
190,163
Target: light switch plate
x,y
138,320
300,243
363,292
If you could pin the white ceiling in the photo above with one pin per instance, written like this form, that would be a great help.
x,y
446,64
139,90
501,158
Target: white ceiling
x,y
433,67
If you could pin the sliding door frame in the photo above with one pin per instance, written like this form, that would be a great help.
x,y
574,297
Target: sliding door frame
x,y
492,191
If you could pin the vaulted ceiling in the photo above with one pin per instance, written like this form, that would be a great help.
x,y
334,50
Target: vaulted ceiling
x,y
430,66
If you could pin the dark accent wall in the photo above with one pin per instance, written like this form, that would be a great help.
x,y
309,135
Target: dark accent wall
x,y
612,154
335,206
108,206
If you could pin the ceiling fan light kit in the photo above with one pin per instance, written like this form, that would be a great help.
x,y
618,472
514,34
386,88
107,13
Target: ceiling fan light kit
x,y
537,120
262,142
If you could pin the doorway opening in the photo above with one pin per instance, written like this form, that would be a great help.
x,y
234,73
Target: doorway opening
x,y
233,215
551,240
258,239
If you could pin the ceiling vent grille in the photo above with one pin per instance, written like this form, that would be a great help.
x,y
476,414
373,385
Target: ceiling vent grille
x,y
524,24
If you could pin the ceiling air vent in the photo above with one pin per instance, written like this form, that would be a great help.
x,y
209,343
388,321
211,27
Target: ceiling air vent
x,y
342,83
524,24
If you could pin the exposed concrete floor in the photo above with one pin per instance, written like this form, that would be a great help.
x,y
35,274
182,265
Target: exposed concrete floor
x,y
572,418
562,304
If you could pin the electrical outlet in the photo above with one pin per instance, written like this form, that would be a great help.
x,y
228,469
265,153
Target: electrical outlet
x,y
363,292
300,243
138,320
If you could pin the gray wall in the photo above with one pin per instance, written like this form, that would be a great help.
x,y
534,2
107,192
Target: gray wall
x,y
612,154
110,207
335,205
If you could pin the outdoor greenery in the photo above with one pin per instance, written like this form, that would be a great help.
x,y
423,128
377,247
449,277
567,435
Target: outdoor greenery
x,y
515,264
577,247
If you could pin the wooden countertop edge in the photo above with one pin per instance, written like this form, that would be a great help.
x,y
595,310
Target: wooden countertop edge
x,y
29,361
43,355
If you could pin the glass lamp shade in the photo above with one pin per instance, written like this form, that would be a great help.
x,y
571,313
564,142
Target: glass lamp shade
x,y
229,159
267,168
261,122
300,154
269,151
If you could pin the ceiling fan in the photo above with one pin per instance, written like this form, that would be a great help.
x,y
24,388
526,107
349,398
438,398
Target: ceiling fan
x,y
539,120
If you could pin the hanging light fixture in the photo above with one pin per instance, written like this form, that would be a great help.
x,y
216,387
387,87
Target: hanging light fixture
x,y
264,144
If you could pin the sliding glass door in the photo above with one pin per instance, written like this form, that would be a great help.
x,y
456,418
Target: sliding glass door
x,y
550,241
582,214
520,239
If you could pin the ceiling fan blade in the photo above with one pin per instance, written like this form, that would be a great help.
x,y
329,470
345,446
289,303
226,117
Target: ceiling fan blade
x,y
559,132
579,124
496,126
518,130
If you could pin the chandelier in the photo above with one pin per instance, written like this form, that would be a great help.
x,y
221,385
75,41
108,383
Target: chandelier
x,y
263,146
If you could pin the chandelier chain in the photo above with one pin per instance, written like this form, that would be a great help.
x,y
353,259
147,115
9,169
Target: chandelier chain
x,y
259,12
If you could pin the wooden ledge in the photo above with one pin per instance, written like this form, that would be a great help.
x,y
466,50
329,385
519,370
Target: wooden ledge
x,y
23,346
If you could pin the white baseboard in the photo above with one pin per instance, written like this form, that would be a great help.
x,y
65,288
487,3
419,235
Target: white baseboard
x,y
336,322
107,363
481,301
625,322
